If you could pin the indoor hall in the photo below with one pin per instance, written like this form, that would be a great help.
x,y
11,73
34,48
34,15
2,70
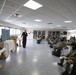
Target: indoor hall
x,y
35,59
47,23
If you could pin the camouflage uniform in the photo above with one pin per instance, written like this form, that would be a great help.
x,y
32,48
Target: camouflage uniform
x,y
1,45
71,59
60,46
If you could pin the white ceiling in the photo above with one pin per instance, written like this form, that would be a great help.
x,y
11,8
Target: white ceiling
x,y
53,11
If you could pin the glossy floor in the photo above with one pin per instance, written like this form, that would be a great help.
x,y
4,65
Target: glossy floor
x,y
35,59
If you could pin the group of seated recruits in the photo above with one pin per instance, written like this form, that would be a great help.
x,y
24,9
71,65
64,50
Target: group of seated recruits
x,y
59,47
70,58
57,44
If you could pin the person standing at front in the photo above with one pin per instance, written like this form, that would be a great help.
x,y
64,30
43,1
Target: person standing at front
x,y
24,38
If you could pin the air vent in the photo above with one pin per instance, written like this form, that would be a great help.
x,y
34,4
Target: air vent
x,y
50,23
17,15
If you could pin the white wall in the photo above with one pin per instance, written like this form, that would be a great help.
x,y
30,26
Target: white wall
x,y
71,33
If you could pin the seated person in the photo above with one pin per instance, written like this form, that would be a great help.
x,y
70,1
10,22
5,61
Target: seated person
x,y
58,48
1,45
70,59
39,39
60,45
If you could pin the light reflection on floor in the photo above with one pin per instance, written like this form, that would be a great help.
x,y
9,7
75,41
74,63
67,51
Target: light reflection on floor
x,y
54,63
8,59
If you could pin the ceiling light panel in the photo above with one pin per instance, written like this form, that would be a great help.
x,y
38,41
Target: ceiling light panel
x,y
67,21
8,20
38,20
32,5
59,25
51,27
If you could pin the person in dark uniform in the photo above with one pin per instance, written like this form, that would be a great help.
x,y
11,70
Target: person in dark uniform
x,y
24,39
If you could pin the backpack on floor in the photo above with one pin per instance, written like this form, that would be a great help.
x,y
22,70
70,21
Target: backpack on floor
x,y
51,45
56,52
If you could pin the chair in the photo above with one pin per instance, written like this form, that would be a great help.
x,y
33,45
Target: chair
x,y
2,50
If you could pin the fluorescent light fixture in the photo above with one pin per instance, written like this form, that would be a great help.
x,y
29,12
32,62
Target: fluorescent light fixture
x,y
38,20
35,60
59,25
20,16
8,20
67,21
51,27
32,5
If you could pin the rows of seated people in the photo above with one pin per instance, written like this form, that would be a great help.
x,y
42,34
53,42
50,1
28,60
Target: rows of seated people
x,y
58,44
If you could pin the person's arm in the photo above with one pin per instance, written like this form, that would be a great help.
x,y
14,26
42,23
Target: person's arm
x,y
21,34
66,55
26,34
73,57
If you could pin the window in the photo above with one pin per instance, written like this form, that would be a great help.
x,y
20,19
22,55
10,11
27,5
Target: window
x,y
12,32
18,31
1,30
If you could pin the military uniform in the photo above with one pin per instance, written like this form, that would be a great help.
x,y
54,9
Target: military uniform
x,y
1,45
71,59
60,46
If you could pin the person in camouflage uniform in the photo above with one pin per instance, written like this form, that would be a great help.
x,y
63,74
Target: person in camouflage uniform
x,y
70,59
61,45
1,45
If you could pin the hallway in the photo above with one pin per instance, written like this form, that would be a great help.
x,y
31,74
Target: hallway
x,y
35,59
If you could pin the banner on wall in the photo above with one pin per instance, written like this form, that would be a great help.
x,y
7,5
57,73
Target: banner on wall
x,y
5,34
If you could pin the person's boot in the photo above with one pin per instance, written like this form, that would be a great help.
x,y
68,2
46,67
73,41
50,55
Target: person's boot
x,y
65,73
60,64
23,46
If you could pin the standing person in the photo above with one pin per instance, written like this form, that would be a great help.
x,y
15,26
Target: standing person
x,y
24,38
